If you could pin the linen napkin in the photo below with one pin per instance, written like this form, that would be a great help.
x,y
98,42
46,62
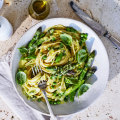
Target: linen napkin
x,y
11,97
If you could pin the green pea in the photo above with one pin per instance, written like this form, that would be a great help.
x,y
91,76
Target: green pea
x,y
52,86
39,99
49,48
53,39
58,102
54,83
54,102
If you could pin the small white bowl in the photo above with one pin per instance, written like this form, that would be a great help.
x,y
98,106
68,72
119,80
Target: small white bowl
x,y
1,3
6,29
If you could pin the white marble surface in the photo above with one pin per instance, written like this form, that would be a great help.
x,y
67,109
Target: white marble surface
x,y
107,12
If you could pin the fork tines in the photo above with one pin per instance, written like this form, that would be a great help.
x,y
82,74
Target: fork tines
x,y
36,70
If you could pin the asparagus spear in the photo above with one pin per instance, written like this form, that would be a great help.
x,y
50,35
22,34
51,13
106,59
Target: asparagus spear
x,y
36,37
81,77
90,59
90,73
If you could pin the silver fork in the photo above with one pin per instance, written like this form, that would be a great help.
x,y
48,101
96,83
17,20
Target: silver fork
x,y
42,85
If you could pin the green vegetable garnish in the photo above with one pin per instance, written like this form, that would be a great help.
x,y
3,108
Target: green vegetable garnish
x,y
53,39
54,83
82,56
61,45
49,48
70,29
21,78
52,86
83,88
39,100
66,39
59,57
51,31
72,95
44,57
23,50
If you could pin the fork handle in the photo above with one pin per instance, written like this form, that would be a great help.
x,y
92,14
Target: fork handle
x,y
53,117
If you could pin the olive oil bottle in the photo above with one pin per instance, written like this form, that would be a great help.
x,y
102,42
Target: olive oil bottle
x,y
39,9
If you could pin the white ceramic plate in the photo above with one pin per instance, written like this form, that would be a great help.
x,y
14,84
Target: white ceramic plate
x,y
99,80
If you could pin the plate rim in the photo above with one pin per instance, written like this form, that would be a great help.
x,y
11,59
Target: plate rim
x,y
41,22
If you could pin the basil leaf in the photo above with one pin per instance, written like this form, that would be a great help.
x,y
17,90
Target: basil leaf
x,y
81,56
23,50
59,58
21,78
66,39
30,57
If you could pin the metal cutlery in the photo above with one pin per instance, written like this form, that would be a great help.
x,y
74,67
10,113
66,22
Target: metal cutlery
x,y
98,28
42,85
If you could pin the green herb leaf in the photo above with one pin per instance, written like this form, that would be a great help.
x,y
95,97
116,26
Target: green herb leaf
x,y
70,29
54,83
39,99
21,78
83,88
44,57
53,39
59,58
66,39
52,86
53,77
30,57
23,50
61,45
83,37
82,56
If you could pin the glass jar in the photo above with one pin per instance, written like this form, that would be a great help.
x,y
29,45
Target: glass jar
x,y
39,9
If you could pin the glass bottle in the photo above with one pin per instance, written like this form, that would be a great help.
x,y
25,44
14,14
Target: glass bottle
x,y
39,9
